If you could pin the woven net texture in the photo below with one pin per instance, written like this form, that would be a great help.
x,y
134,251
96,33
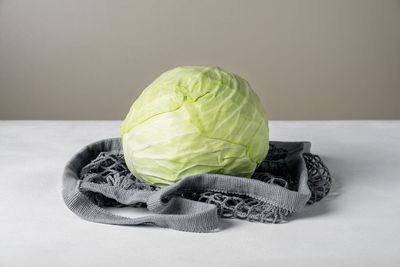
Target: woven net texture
x,y
110,168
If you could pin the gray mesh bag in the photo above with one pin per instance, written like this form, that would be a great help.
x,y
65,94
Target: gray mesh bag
x,y
289,178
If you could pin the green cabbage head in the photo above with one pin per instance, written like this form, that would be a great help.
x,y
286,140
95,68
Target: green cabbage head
x,y
194,120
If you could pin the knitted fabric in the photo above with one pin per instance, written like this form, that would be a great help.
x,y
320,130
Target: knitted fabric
x,y
97,177
109,168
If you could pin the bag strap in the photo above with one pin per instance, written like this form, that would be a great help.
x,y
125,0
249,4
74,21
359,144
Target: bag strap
x,y
179,213
172,211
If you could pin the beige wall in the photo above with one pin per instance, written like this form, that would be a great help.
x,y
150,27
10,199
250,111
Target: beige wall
x,y
305,59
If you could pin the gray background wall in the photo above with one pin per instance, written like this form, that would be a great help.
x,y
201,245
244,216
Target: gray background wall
x,y
312,59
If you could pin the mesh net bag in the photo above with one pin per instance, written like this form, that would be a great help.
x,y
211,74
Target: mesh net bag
x,y
109,168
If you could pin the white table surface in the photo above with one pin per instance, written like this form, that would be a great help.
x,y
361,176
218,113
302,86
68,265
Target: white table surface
x,y
357,225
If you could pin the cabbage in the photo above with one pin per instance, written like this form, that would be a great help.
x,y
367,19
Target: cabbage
x,y
195,120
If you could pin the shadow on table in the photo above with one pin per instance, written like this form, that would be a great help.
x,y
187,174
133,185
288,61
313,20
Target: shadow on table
x,y
325,205
225,224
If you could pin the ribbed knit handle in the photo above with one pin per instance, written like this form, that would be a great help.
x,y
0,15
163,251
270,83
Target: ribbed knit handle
x,y
178,213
